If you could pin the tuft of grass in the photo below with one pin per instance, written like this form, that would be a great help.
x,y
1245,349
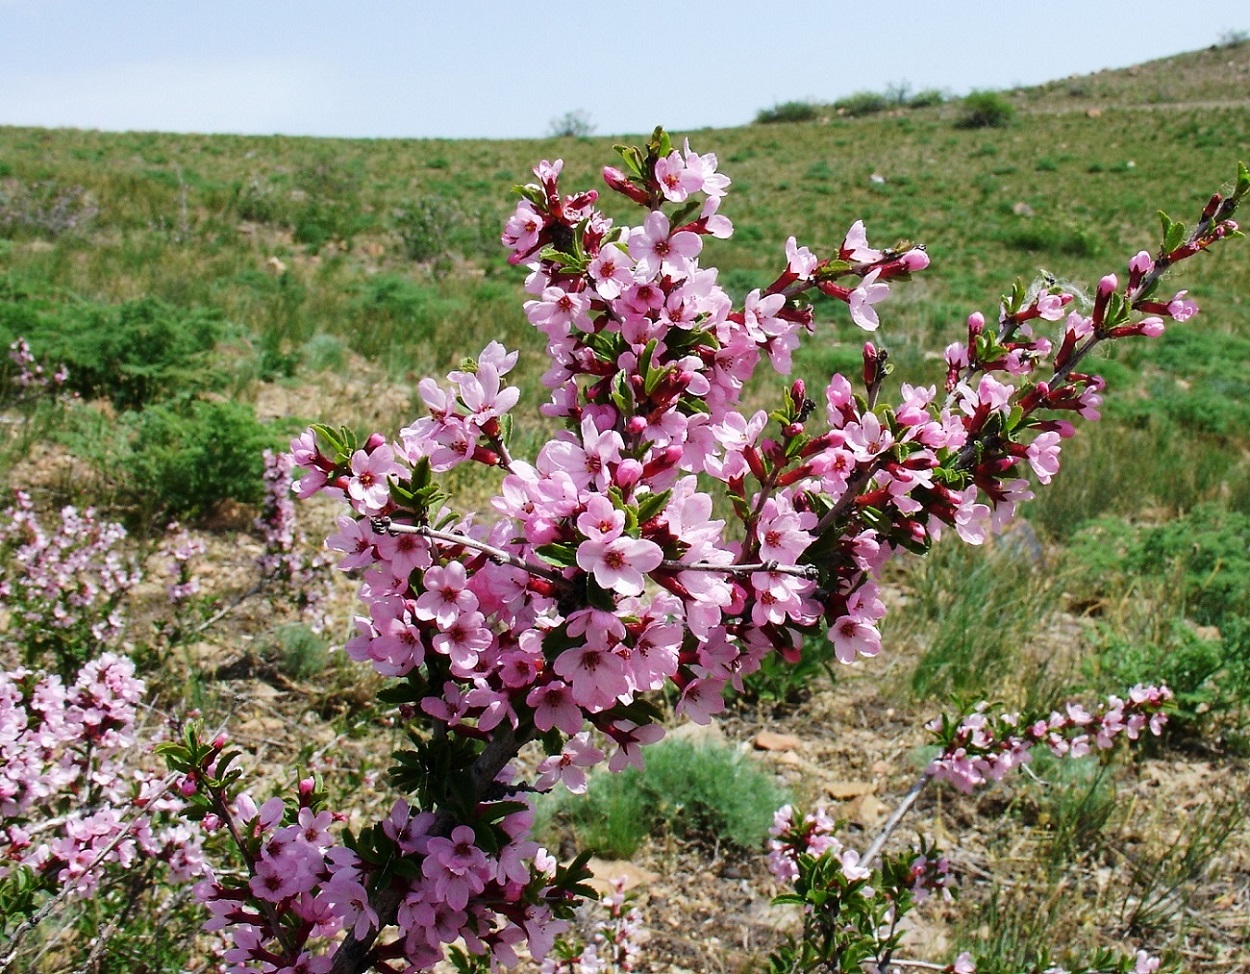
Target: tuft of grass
x,y
704,792
974,613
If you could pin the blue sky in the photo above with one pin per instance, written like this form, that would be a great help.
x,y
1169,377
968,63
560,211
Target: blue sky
x,y
459,68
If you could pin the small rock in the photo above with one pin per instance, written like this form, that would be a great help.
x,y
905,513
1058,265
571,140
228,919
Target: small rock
x,y
699,734
844,790
879,767
1022,209
607,871
772,741
866,811
1093,113
275,266
876,178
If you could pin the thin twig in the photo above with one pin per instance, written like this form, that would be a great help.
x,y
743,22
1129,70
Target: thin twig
x,y
888,829
384,525
802,571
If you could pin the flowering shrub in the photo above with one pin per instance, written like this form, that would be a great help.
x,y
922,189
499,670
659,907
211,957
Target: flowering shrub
x,y
27,379
613,946
77,817
852,908
283,565
62,589
605,576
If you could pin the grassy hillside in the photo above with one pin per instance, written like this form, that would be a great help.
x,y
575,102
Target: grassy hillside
x,y
307,250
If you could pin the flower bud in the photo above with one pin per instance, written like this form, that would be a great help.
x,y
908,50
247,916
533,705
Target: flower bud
x,y
628,472
375,440
915,259
618,181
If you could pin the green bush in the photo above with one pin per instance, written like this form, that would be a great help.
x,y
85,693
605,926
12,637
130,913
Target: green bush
x,y
787,111
1195,568
331,207
182,459
705,792
1208,550
862,103
132,354
985,109
928,98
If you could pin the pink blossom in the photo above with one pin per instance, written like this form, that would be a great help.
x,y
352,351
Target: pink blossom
x,y
620,565
862,299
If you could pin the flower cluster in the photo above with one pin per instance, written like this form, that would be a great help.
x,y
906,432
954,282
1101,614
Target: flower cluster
x,y
982,747
301,887
63,588
73,806
30,379
604,576
180,548
614,944
284,563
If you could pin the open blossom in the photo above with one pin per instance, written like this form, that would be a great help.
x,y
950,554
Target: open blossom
x,y
369,483
862,299
620,564
658,250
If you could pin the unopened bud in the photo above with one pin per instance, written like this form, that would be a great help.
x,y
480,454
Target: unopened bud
x,y
914,260
375,440
628,473
618,181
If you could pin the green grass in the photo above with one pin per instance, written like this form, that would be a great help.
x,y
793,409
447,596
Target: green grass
x,y
706,792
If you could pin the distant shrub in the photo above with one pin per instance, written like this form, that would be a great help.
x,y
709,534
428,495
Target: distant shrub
x,y
985,109
297,651
928,98
898,94
695,791
259,202
331,207
1233,38
576,124
1039,236
44,210
182,459
388,306
426,227
787,111
132,354
862,103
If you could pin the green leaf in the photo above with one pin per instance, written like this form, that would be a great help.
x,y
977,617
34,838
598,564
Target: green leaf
x,y
681,216
560,554
1173,233
621,394
651,505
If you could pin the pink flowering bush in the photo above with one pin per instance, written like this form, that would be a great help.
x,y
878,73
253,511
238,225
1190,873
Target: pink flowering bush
x,y
62,589
603,574
80,818
24,380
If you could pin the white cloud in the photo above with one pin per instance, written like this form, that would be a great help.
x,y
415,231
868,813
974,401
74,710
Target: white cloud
x,y
247,96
